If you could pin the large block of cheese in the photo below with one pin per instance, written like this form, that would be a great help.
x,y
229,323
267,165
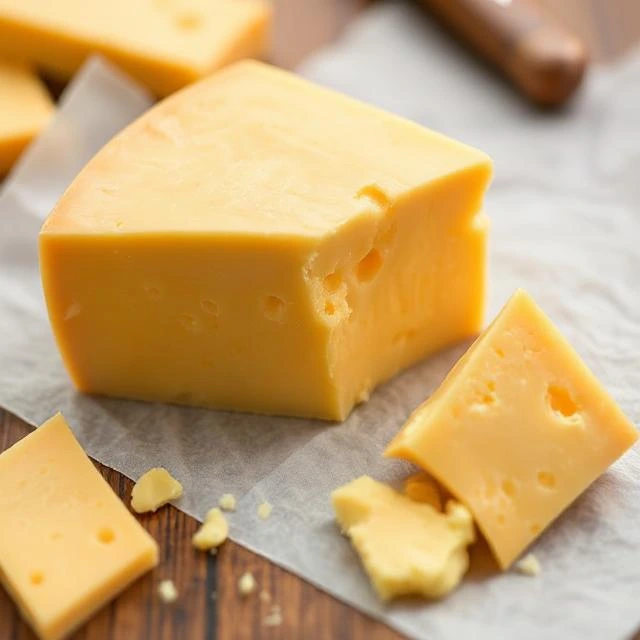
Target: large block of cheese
x,y
261,244
165,44
67,543
406,547
518,429
25,109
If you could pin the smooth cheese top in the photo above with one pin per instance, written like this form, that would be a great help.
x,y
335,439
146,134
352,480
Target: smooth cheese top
x,y
194,33
67,543
25,105
256,150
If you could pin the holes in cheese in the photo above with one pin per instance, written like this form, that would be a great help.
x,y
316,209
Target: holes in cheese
x,y
36,578
275,308
241,188
106,535
189,21
369,266
561,402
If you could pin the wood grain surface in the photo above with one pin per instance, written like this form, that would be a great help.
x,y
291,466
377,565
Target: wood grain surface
x,y
209,605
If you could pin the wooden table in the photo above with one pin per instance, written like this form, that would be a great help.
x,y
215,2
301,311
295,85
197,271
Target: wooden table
x,y
209,605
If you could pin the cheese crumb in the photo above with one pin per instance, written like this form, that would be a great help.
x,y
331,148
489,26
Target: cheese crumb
x,y
154,489
264,510
246,584
274,618
265,596
212,533
227,502
167,591
529,566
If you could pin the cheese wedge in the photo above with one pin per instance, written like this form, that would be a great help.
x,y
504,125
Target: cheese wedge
x,y
25,109
261,244
518,429
67,543
406,547
164,44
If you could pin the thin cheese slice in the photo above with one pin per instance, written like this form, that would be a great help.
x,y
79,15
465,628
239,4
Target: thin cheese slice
x,y
25,109
258,243
518,429
68,545
165,44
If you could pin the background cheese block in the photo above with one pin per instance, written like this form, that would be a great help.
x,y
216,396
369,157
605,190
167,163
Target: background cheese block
x,y
25,109
67,543
405,546
165,44
258,243
518,430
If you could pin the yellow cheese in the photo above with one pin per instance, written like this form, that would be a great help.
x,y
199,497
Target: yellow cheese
x,y
25,109
213,531
518,429
154,489
261,244
67,543
421,487
165,44
406,547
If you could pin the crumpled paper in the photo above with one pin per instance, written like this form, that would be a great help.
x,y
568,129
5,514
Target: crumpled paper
x,y
566,226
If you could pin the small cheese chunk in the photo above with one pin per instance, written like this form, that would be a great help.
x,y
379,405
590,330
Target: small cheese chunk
x,y
227,502
213,531
154,489
246,584
25,109
167,591
529,566
519,428
264,510
68,545
406,547
374,235
165,44
421,487
274,617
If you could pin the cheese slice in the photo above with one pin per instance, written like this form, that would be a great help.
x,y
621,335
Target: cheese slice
x,y
67,543
518,429
406,547
25,109
165,44
261,244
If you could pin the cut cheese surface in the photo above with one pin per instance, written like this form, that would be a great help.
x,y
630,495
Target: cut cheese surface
x,y
25,109
407,548
518,429
245,244
165,44
67,543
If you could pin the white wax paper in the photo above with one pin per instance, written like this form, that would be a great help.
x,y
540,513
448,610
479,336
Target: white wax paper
x,y
566,226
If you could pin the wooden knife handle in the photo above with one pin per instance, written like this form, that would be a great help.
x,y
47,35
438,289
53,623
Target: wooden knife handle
x,y
542,58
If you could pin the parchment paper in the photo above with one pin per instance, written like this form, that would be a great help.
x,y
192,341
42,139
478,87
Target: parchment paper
x,y
566,226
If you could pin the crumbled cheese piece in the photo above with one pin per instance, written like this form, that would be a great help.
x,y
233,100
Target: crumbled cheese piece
x,y
274,618
212,533
529,566
264,510
154,489
265,596
167,591
246,584
227,502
